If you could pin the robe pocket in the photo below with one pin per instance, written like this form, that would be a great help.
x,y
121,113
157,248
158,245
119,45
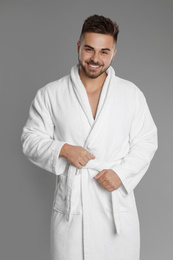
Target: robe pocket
x,y
58,234
59,225
60,200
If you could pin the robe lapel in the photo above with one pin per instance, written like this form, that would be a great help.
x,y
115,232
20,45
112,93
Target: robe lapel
x,y
81,94
82,97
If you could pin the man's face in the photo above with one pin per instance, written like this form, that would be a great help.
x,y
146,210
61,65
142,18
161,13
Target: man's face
x,y
95,53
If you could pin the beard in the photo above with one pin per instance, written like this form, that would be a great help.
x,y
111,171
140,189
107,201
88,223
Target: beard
x,y
91,73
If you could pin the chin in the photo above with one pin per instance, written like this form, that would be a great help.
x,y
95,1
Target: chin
x,y
91,73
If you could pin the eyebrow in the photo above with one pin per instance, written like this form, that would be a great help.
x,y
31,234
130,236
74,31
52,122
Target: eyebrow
x,y
103,49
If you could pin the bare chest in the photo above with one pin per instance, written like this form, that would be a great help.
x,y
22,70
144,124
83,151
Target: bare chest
x,y
94,101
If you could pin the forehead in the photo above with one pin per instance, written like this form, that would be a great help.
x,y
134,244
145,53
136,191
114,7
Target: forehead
x,y
98,41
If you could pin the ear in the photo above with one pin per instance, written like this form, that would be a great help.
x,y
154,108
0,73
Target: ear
x,y
115,51
78,46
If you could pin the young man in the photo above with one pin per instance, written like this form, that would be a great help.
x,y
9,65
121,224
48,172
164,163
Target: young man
x,y
95,132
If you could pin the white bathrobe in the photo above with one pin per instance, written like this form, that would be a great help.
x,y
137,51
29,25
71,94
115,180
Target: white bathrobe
x,y
88,222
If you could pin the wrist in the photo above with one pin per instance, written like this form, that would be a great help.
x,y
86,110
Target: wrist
x,y
63,152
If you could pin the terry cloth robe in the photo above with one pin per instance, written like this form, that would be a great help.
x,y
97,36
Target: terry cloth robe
x,y
87,221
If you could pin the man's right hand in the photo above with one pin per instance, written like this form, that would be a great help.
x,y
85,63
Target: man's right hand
x,y
76,155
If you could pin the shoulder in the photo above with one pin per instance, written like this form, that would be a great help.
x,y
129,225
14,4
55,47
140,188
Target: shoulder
x,y
126,85
55,86
128,88
54,89
52,92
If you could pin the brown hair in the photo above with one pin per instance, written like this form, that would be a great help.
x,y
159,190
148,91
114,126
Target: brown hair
x,y
100,24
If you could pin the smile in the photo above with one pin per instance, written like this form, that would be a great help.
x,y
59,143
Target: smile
x,y
93,66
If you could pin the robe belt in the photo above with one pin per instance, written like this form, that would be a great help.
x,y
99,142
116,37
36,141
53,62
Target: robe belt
x,y
94,165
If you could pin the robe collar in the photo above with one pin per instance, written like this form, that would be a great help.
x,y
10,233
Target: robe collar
x,y
82,96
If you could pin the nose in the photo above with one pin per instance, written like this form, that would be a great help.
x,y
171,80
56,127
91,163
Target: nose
x,y
95,57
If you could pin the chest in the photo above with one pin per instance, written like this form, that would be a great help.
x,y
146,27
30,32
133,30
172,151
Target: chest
x,y
93,99
70,117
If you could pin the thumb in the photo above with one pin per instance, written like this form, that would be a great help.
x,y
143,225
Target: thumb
x,y
92,156
99,174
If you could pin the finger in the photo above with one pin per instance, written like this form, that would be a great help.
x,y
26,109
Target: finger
x,y
90,156
102,180
105,186
108,187
103,183
99,174
78,165
86,159
82,162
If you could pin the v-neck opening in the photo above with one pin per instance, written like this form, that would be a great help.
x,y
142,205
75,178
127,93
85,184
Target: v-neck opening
x,y
82,95
101,98
94,118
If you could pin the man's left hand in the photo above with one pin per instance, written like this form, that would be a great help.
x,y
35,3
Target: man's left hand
x,y
108,179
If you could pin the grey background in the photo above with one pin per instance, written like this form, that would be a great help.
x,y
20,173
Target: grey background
x,y
38,45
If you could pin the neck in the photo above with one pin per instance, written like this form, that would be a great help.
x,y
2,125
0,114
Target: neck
x,y
90,84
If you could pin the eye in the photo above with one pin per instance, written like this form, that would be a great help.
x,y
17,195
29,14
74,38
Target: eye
x,y
88,49
104,52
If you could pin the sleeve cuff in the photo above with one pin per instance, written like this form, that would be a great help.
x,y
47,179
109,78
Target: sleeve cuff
x,y
58,163
124,189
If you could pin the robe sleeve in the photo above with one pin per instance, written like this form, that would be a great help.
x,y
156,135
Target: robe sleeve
x,y
39,144
142,145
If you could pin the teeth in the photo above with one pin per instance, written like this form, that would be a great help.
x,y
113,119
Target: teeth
x,y
94,66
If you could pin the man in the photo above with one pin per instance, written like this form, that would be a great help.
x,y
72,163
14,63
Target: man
x,y
95,132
